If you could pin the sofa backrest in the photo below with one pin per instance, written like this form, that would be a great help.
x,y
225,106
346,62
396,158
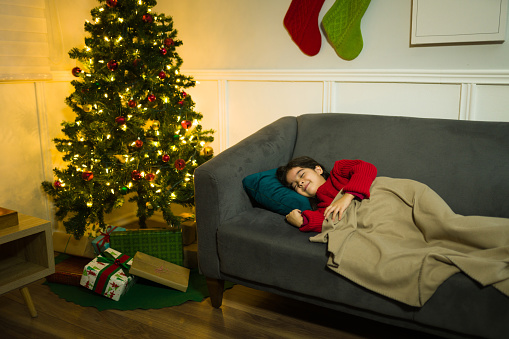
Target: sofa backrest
x,y
465,162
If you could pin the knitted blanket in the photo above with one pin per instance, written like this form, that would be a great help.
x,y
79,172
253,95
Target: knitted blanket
x,y
404,241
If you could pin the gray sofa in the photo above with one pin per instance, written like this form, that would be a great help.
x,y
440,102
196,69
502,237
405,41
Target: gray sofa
x,y
466,162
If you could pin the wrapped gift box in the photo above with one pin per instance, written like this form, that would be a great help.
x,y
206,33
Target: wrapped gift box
x,y
160,271
165,244
66,243
108,274
69,271
102,242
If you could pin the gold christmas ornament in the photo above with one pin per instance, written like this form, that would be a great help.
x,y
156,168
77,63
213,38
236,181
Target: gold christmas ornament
x,y
87,108
156,125
208,151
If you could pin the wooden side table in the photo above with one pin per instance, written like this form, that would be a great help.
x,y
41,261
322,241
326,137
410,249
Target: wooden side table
x,y
26,255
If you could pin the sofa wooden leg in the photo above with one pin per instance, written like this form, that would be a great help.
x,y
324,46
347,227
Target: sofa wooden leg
x,y
216,288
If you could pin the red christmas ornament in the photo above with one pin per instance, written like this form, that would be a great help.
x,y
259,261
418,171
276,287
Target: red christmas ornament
x,y
147,18
132,103
168,42
136,175
87,175
112,65
180,164
163,51
76,71
111,3
151,97
184,94
120,120
57,184
162,75
139,143
150,176
181,102
166,158
186,124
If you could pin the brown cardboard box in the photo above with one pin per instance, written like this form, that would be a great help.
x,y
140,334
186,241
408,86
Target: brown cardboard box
x,y
160,271
66,243
8,218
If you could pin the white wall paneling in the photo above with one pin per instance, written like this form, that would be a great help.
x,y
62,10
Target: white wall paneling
x,y
404,99
254,104
249,100
492,103
22,164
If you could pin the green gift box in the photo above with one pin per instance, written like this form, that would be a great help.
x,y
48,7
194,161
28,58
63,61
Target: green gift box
x,y
165,244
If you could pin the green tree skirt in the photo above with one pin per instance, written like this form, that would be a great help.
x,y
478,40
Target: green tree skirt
x,y
143,294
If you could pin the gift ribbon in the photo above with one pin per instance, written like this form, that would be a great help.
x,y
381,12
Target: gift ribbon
x,y
105,274
106,236
108,258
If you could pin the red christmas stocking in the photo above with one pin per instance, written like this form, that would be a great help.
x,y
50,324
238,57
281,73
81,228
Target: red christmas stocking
x,y
301,21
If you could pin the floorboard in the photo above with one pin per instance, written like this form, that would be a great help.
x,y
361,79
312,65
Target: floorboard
x,y
246,313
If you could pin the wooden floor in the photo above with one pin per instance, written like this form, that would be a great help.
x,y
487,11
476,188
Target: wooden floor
x,y
246,313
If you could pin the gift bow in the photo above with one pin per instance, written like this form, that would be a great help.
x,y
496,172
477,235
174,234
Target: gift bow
x,y
108,258
106,236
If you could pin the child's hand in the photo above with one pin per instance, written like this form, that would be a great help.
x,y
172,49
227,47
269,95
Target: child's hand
x,y
338,207
295,218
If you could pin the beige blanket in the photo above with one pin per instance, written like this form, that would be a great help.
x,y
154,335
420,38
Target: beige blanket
x,y
405,241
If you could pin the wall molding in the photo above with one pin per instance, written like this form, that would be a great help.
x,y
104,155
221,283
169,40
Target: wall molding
x,y
480,77
484,77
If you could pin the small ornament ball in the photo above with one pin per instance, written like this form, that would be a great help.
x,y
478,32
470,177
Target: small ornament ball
x,y
132,103
57,184
208,151
151,97
87,108
76,71
150,176
149,205
165,158
124,190
111,3
180,164
112,65
168,42
186,124
135,175
163,51
162,75
147,18
87,175
156,125
120,120
138,143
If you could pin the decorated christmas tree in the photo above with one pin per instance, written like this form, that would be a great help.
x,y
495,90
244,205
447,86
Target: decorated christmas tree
x,y
136,135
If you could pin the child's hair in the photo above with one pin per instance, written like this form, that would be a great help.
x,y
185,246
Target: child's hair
x,y
304,162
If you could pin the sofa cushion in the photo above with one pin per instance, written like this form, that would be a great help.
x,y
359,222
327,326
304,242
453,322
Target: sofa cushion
x,y
267,191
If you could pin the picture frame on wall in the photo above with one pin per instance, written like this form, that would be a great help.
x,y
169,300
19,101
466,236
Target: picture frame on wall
x,y
458,21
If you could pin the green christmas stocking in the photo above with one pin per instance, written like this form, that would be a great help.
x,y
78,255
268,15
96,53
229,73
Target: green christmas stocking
x,y
342,25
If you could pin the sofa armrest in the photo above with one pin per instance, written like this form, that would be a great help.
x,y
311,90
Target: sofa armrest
x,y
219,194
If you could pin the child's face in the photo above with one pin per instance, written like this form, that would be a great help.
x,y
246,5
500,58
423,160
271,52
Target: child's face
x,y
305,181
